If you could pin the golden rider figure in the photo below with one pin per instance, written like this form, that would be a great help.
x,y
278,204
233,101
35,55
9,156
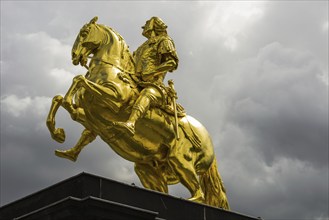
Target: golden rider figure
x,y
153,59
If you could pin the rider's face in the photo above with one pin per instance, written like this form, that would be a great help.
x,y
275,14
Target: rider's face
x,y
147,30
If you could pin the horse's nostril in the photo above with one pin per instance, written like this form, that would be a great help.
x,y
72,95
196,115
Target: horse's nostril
x,y
73,55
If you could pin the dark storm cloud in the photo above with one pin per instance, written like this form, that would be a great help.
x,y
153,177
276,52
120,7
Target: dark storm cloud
x,y
276,126
281,99
254,73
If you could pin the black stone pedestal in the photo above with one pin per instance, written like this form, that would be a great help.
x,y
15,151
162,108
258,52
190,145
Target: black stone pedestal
x,y
87,197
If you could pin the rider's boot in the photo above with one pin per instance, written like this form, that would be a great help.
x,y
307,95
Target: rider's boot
x,y
140,107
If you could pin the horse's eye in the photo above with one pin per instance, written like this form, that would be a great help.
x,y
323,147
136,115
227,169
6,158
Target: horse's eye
x,y
83,34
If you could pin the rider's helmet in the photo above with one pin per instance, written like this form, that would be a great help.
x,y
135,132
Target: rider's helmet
x,y
155,25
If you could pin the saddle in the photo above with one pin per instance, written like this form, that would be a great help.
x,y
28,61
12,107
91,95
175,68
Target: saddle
x,y
167,104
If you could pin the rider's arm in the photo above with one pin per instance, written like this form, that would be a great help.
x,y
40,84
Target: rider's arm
x,y
167,59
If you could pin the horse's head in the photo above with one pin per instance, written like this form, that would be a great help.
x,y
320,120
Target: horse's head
x,y
87,41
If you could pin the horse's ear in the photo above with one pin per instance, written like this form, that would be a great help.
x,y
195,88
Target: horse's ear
x,y
93,21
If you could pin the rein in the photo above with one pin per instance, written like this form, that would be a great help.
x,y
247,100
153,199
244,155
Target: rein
x,y
122,75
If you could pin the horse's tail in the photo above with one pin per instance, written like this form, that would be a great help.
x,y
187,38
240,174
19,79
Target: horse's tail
x,y
213,187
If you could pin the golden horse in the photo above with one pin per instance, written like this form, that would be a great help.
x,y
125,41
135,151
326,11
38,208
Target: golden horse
x,y
105,95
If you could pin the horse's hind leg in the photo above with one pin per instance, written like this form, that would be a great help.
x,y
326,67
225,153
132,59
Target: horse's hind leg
x,y
73,153
183,167
151,177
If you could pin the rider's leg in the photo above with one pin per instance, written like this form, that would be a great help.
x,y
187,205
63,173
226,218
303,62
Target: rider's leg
x,y
140,107
151,177
147,97
72,153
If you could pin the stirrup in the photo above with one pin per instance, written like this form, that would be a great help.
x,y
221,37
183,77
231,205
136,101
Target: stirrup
x,y
125,127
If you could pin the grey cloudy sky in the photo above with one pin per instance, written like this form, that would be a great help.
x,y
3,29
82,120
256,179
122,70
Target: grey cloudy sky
x,y
254,73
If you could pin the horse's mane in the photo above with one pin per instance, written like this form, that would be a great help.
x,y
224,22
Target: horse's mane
x,y
108,31
125,53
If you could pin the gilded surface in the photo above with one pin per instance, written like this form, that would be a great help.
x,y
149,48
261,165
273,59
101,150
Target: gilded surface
x,y
123,100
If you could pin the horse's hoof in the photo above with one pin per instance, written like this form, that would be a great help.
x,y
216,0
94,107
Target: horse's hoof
x,y
67,154
197,198
59,135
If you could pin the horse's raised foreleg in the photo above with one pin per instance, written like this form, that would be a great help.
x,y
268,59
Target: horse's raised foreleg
x,y
68,98
109,94
151,177
57,134
73,153
104,92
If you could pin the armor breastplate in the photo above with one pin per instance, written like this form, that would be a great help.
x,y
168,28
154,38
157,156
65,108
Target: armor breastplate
x,y
146,56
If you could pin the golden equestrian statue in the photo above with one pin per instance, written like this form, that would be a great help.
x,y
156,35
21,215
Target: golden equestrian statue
x,y
122,99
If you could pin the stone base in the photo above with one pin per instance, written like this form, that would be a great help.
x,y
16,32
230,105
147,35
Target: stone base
x,y
87,196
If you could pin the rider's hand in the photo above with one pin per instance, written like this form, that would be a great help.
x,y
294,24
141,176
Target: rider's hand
x,y
171,92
